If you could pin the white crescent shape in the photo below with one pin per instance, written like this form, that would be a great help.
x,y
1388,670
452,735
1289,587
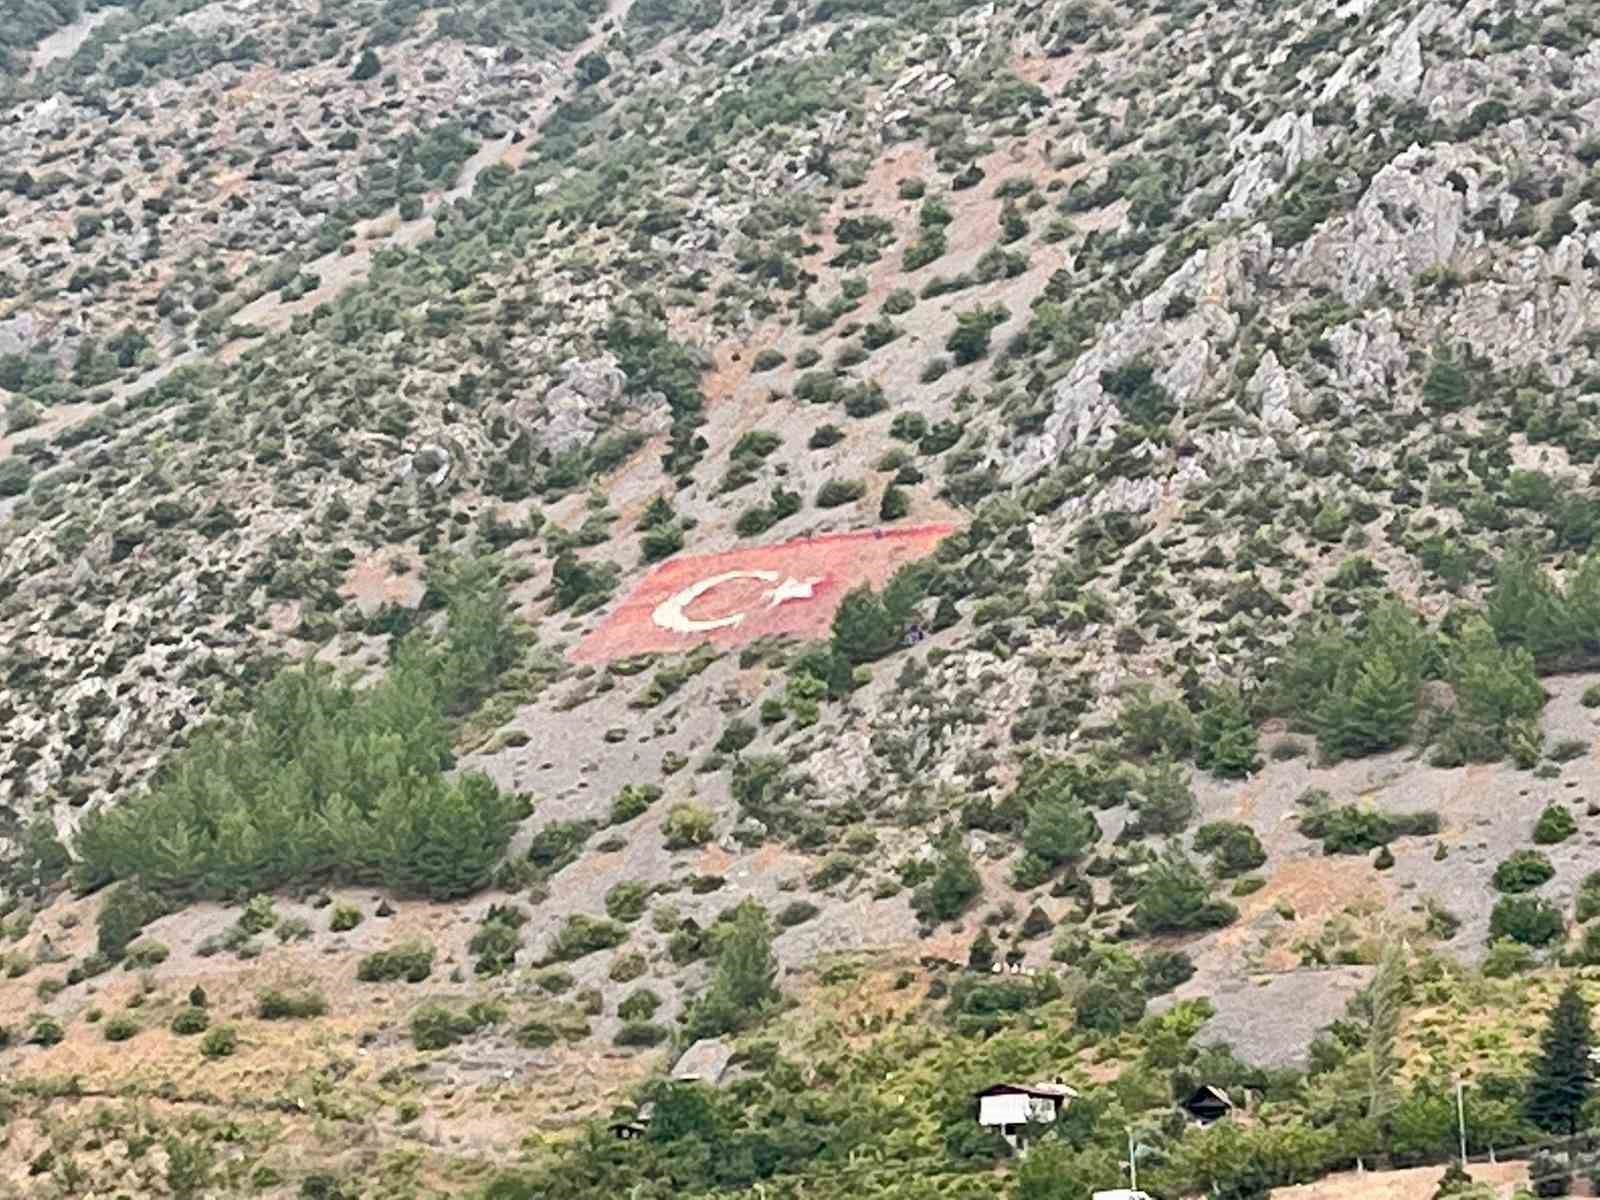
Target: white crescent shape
x,y
670,614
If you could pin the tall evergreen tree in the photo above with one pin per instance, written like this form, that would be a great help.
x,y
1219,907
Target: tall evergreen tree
x,y
1563,1076
1372,711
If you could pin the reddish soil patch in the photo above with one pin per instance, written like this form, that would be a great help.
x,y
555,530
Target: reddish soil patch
x,y
791,589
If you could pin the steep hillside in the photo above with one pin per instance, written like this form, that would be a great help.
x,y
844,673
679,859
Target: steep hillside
x,y
1212,393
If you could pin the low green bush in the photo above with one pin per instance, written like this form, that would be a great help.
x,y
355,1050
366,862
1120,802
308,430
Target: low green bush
x,y
1523,871
582,935
219,1042
1555,825
409,961
190,1021
273,1005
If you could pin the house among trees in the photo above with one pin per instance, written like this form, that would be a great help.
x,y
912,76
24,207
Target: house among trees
x,y
1207,1105
1012,1107
632,1131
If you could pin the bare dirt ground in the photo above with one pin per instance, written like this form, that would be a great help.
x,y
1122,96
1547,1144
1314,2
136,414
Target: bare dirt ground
x,y
1414,1184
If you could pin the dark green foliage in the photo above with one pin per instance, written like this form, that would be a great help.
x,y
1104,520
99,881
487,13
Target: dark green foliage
x,y
190,1021
955,884
119,1029
1059,829
124,911
434,1026
1523,871
1563,1076
219,1042
367,67
653,362
582,935
1163,800
970,340
1140,398
495,943
1226,742
743,985
410,961
1152,724
1165,970
273,1005
639,1005
1526,919
324,782
626,901
1234,847
632,801
558,844
1353,830
1555,825
1175,896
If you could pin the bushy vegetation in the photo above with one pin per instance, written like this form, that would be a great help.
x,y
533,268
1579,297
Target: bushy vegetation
x,y
324,782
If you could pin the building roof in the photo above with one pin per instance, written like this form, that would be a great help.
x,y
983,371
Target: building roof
x,y
1043,1091
706,1061
1205,1093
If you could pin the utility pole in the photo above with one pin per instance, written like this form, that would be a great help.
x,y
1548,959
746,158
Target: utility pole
x,y
1461,1122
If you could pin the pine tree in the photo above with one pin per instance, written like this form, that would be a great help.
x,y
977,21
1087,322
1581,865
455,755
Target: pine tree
x,y
864,629
1371,711
1562,1078
1227,743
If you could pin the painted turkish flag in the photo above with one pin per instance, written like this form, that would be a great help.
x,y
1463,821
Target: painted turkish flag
x,y
730,599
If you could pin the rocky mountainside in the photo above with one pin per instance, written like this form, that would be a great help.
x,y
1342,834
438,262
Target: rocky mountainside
x,y
1241,361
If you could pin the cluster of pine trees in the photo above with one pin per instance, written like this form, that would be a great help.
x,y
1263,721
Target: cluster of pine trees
x,y
327,782
1358,687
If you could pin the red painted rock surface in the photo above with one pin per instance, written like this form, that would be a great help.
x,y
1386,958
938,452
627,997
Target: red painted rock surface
x,y
734,598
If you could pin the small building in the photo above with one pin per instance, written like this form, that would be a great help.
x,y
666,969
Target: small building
x,y
1011,1107
632,1131
1207,1105
704,1062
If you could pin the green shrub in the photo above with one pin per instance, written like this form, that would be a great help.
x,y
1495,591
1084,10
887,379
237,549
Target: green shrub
x,y
688,825
1555,825
641,1033
119,1029
1226,741
1165,970
954,886
639,1005
1591,696
633,801
45,1031
435,1026
837,492
495,943
1588,904
1523,871
556,982
1526,919
219,1042
627,968
345,918
273,1005
625,902
582,935
410,961
146,952
796,912
1234,847
1150,724
1174,896
190,1021
768,360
